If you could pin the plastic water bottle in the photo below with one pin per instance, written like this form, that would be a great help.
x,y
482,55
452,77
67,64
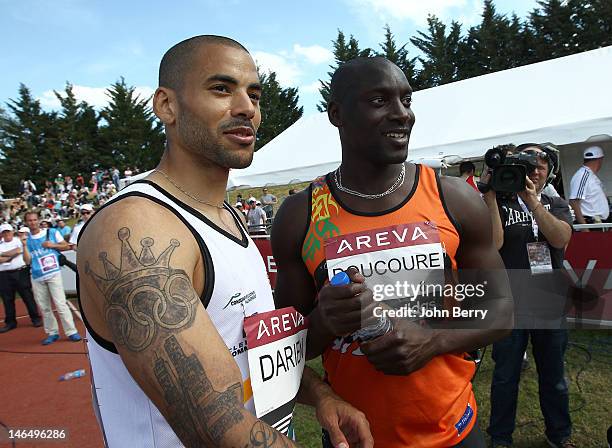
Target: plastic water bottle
x,y
372,331
76,374
340,279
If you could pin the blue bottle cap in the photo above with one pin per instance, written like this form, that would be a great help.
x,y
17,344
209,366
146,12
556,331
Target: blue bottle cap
x,y
341,278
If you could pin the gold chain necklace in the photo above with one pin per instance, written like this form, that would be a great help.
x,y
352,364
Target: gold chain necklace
x,y
201,201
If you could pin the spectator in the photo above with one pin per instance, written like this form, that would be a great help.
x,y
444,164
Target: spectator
x,y
69,185
63,229
268,200
86,212
240,208
14,277
5,211
115,176
587,196
245,205
59,184
256,217
40,251
128,172
531,231
80,180
466,171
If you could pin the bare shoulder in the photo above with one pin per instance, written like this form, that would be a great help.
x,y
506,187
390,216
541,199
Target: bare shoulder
x,y
463,202
291,218
142,220
130,238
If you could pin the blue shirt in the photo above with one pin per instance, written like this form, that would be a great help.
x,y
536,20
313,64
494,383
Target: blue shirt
x,y
45,263
66,230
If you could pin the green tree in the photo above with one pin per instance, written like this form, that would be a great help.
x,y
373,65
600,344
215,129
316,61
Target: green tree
x,y
79,138
131,134
594,22
279,109
399,56
495,44
343,52
440,60
29,143
554,25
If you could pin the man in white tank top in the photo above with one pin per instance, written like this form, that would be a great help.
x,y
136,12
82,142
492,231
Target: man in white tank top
x,y
158,263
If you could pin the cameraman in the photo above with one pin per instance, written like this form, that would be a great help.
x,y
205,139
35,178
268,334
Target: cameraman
x,y
531,231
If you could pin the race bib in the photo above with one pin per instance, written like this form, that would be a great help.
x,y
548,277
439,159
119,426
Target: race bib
x,y
48,263
277,355
397,261
539,258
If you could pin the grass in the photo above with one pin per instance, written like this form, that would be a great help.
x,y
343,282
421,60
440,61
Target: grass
x,y
588,368
280,191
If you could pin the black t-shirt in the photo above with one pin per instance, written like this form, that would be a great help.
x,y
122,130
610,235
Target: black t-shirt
x,y
517,224
540,301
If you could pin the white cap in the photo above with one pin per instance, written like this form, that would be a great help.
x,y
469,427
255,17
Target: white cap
x,y
251,199
24,229
257,203
593,152
87,207
238,204
4,227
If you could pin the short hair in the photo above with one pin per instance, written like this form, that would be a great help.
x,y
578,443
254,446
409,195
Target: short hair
x,y
177,60
344,74
31,212
466,167
508,148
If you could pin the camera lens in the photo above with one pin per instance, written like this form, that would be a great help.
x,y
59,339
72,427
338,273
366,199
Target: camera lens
x,y
507,177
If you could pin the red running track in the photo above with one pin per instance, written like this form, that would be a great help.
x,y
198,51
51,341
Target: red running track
x,y
31,395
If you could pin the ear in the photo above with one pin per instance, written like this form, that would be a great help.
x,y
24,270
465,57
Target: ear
x,y
164,105
333,113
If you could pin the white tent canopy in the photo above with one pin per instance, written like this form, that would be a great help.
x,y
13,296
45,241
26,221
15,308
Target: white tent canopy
x,y
562,101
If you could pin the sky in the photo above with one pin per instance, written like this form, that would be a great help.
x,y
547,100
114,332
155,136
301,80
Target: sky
x,y
92,43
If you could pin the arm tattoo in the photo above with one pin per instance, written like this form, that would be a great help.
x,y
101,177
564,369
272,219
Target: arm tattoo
x,y
146,302
145,297
263,436
197,409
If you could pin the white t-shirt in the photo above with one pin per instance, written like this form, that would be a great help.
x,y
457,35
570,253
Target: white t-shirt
x,y
16,262
256,217
586,186
75,233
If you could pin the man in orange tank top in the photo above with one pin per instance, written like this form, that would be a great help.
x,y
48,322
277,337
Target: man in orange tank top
x,y
414,382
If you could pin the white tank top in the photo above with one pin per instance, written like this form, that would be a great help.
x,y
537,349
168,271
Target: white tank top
x,y
236,285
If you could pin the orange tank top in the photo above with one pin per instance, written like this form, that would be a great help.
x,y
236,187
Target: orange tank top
x,y
432,407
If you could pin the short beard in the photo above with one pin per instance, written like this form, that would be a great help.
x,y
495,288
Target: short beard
x,y
201,141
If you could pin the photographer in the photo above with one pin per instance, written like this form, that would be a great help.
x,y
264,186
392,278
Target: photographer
x,y
531,231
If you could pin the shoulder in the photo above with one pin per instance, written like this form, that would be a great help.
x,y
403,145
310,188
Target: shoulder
x,y
581,173
554,201
292,219
140,222
462,201
294,206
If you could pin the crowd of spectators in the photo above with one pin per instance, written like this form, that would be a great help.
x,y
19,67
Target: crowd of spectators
x,y
61,199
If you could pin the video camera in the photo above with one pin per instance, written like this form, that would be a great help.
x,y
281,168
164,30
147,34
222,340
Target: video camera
x,y
508,172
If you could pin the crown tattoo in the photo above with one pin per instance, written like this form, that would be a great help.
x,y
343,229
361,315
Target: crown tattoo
x,y
130,263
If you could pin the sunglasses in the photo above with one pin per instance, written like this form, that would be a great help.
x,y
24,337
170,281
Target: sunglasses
x,y
85,213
